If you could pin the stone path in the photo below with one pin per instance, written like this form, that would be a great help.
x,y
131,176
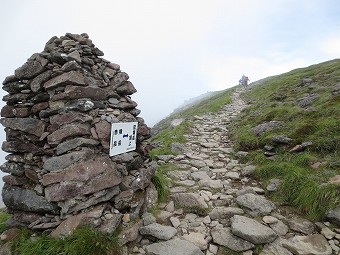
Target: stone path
x,y
226,206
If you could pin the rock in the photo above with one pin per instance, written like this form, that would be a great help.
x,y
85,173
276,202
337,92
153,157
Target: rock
x,y
301,147
311,244
175,222
72,77
197,239
27,125
267,126
219,213
10,234
275,248
34,66
75,143
255,204
173,247
148,219
335,180
301,225
17,198
110,225
130,234
251,230
279,228
223,236
274,184
159,231
282,139
189,200
308,100
334,216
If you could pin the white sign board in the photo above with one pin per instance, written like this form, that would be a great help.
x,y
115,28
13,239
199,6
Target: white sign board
x,y
123,137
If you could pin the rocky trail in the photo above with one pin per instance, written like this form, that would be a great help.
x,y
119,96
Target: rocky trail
x,y
227,207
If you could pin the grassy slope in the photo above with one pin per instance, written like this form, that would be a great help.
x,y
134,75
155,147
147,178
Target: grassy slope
x,y
276,99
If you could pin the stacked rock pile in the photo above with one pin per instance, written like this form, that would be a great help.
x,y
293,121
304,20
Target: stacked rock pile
x,y
57,118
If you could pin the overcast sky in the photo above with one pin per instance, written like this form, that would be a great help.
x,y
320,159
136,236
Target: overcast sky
x,y
178,49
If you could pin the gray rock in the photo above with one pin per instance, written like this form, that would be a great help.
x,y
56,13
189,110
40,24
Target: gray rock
x,y
267,126
148,219
282,139
256,205
224,212
223,236
34,66
197,239
274,184
189,200
275,248
308,245
213,184
158,231
13,168
251,230
26,200
173,247
307,101
279,227
301,225
74,143
200,175
334,216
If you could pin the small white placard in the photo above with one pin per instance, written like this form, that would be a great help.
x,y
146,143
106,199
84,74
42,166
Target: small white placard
x,y
123,137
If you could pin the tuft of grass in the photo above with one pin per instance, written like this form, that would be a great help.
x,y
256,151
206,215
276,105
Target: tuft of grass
x,y
3,218
160,180
83,241
222,250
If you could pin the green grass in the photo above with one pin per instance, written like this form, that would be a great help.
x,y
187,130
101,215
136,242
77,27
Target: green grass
x,y
275,98
168,136
161,182
3,218
84,241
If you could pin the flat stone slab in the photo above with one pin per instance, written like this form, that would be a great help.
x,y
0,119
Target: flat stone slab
x,y
173,247
309,245
224,212
223,236
251,230
159,231
256,205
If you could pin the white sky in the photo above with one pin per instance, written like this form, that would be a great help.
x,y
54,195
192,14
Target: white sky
x,y
175,50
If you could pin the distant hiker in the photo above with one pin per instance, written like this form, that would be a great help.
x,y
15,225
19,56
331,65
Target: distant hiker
x,y
244,81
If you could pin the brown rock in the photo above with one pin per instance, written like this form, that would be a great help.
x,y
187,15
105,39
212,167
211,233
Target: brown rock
x,y
70,224
103,129
34,66
32,175
38,107
22,112
61,191
75,92
7,111
29,125
70,130
10,234
72,77
37,82
118,79
14,147
69,117
14,180
126,88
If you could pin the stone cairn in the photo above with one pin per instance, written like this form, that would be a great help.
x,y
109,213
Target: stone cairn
x,y
57,118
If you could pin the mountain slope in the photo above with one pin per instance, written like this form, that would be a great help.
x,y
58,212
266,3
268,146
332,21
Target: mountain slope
x,y
297,110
